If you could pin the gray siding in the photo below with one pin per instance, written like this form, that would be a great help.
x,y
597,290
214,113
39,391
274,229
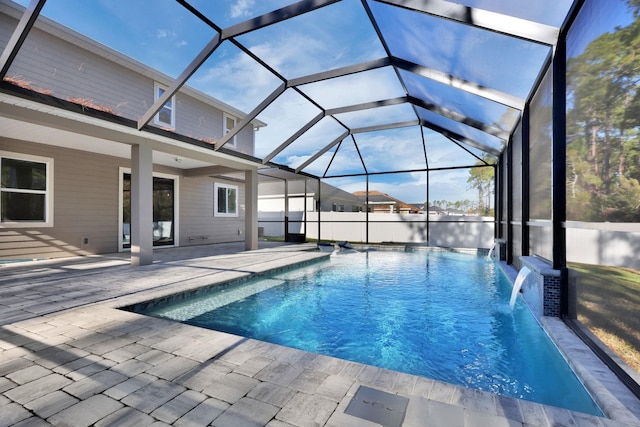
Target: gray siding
x,y
86,200
198,224
85,190
52,63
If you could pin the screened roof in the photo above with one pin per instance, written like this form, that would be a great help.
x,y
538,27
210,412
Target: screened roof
x,y
344,87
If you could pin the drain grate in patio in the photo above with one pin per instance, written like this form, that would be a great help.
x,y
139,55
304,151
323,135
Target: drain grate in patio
x,y
378,406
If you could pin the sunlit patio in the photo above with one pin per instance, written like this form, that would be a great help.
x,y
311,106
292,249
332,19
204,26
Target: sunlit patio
x,y
70,357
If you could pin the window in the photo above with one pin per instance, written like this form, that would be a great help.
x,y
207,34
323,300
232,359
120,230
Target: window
x,y
229,123
25,189
166,117
225,201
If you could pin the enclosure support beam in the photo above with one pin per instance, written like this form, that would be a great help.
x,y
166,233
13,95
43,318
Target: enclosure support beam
x,y
558,171
497,200
366,207
19,36
526,168
509,183
319,207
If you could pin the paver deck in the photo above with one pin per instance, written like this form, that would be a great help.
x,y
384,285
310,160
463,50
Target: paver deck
x,y
70,357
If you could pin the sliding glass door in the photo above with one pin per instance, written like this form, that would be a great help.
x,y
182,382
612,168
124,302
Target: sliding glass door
x,y
164,192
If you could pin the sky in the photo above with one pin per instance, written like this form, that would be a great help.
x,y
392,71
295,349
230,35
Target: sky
x,y
167,37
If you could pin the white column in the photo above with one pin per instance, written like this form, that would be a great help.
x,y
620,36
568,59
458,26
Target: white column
x,y
251,210
141,205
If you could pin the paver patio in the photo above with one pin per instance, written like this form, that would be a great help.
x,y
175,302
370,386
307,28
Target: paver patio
x,y
69,357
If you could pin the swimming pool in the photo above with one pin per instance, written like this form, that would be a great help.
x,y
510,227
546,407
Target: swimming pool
x,y
436,314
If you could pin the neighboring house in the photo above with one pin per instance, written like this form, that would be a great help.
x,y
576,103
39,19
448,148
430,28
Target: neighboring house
x,y
379,202
277,218
77,176
436,210
272,197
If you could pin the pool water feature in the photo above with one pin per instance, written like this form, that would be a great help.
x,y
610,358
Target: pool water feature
x,y
436,314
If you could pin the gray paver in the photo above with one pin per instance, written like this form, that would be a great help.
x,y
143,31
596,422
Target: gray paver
x,y
77,364
272,393
202,377
172,368
335,387
246,412
231,387
32,422
307,410
127,352
86,412
129,386
13,365
13,413
308,381
95,384
6,384
38,388
279,373
126,417
89,370
51,403
477,419
153,395
131,367
155,357
29,374
203,414
177,407
253,365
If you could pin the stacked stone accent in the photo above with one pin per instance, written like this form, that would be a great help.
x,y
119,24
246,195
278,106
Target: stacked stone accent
x,y
542,294
551,292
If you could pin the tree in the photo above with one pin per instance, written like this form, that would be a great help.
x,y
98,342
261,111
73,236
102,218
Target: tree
x,y
481,179
603,124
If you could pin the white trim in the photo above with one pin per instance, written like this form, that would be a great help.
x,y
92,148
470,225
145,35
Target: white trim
x,y
48,192
176,207
156,119
225,129
217,185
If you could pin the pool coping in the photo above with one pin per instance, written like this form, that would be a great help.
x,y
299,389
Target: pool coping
x,y
611,395
606,390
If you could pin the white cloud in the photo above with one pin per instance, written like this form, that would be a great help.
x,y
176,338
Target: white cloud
x,y
163,33
242,8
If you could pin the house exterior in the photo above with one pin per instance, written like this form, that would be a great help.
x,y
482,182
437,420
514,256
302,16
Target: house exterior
x,y
78,178
380,202
284,205
329,198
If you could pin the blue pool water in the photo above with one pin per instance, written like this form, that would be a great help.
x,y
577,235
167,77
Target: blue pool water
x,y
436,314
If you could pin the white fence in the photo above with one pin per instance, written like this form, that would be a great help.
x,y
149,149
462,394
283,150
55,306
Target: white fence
x,y
615,244
446,231
606,243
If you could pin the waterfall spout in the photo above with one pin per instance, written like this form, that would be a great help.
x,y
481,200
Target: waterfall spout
x,y
492,250
517,285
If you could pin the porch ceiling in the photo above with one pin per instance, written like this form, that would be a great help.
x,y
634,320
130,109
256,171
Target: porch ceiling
x,y
348,87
